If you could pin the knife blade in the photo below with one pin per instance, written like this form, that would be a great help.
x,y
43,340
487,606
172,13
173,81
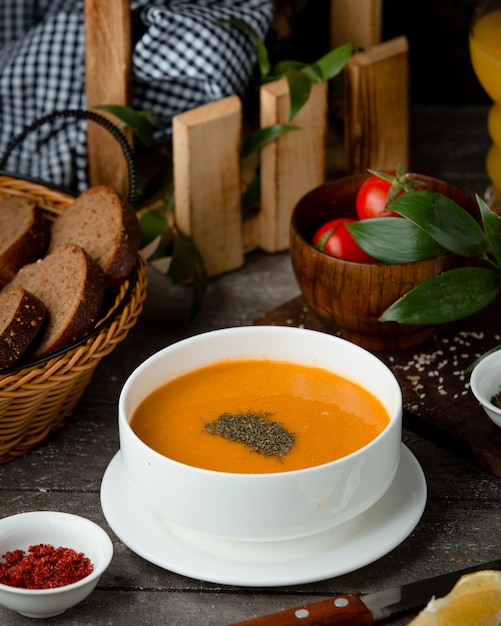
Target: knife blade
x,y
360,610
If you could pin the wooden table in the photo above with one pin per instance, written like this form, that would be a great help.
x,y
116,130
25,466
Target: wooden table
x,y
461,522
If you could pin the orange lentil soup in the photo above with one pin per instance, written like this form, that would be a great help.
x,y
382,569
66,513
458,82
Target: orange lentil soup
x,y
315,416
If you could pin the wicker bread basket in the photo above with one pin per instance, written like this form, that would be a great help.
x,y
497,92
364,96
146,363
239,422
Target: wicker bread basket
x,y
39,397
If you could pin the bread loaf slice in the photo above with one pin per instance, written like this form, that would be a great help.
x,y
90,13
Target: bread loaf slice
x,y
21,318
24,235
106,227
72,286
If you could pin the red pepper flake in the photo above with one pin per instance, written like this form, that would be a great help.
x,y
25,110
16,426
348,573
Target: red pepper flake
x,y
43,567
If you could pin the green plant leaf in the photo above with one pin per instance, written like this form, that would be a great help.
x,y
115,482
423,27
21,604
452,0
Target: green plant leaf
x,y
252,193
333,63
280,69
262,136
325,68
187,264
262,52
138,121
299,91
453,295
262,56
394,240
158,186
444,220
151,225
492,227
313,72
183,260
166,244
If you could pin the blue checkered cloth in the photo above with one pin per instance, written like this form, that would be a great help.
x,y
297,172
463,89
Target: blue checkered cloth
x,y
182,58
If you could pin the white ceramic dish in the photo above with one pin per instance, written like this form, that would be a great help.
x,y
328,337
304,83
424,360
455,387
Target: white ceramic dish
x,y
259,507
60,530
332,553
485,383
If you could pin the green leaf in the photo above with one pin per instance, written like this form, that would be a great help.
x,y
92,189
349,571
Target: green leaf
x,y
280,69
453,295
251,195
393,240
187,264
320,245
333,62
151,225
262,56
492,227
262,52
165,246
444,220
299,91
262,136
313,72
325,68
138,121
299,78
159,186
183,260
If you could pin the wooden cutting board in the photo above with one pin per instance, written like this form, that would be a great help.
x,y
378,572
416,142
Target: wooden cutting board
x,y
438,403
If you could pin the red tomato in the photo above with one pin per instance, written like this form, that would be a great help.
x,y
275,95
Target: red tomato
x,y
372,198
376,192
335,239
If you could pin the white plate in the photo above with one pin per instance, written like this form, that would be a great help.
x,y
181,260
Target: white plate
x,y
344,549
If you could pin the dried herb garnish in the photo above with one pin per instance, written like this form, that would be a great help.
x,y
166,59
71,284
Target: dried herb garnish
x,y
496,400
255,430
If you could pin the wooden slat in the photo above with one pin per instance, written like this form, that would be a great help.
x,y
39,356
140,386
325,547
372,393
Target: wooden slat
x,y
207,181
377,107
356,21
107,81
291,165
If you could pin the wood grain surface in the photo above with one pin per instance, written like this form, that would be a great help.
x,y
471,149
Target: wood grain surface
x,y
461,522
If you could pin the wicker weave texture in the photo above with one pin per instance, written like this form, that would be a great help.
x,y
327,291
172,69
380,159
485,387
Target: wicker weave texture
x,y
39,398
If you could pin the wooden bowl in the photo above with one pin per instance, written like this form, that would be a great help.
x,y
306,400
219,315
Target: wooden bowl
x,y
350,295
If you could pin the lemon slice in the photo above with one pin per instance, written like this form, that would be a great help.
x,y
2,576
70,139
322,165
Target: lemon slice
x,y
474,601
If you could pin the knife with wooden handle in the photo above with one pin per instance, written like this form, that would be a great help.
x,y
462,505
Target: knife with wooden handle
x,y
353,610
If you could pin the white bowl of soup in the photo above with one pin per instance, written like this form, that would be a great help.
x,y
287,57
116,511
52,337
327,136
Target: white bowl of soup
x,y
261,433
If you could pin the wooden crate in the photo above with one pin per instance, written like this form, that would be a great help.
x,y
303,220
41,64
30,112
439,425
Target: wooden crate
x,y
376,101
108,62
207,168
208,174
207,140
358,21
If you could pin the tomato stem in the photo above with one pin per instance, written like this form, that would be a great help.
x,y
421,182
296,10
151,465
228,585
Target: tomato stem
x,y
400,182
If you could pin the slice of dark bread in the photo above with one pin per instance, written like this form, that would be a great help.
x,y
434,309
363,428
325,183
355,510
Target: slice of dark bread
x,y
24,235
21,318
72,286
106,226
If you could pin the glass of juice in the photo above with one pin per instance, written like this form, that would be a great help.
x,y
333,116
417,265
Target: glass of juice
x,y
485,54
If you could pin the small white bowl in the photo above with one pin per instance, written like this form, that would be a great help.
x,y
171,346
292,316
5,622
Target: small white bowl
x,y
262,507
485,382
19,532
